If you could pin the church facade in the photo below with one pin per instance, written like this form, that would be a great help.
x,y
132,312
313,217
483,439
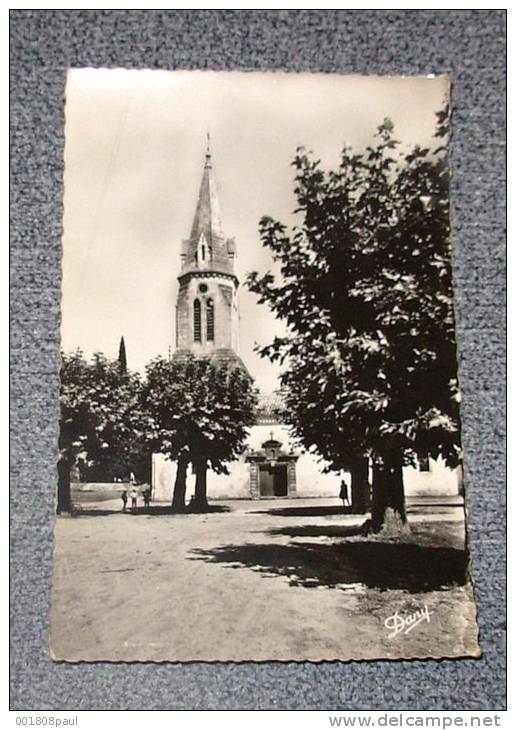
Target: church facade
x,y
207,325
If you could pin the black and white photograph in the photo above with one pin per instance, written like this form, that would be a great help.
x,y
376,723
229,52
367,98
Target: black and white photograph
x,y
260,449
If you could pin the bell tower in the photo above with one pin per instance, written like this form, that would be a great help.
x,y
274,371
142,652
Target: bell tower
x,y
207,305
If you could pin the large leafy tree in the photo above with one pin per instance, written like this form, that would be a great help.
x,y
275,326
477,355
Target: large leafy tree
x,y
99,417
197,413
366,293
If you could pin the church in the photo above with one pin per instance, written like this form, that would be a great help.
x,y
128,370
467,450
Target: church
x,y
207,324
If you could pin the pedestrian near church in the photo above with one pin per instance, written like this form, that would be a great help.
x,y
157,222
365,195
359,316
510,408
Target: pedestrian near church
x,y
146,497
344,494
124,500
134,498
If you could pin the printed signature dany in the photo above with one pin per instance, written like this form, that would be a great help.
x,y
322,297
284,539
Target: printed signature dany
x,y
403,623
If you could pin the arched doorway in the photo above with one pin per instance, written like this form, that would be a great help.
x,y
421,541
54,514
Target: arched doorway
x,y
272,471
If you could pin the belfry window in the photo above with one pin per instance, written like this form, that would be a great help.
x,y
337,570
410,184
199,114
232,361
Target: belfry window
x,y
210,321
197,320
203,252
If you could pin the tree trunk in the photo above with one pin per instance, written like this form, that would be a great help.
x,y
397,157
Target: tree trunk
x,y
200,498
178,500
360,498
388,504
64,495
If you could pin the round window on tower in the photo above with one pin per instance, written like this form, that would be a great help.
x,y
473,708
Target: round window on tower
x,y
203,288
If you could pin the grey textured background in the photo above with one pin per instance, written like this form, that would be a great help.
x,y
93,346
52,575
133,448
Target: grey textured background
x,y
468,44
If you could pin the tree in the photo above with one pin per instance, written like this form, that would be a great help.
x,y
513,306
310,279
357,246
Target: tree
x,y
99,416
122,357
366,293
198,413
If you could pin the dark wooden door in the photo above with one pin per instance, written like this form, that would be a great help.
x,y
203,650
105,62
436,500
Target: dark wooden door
x,y
266,481
280,480
273,480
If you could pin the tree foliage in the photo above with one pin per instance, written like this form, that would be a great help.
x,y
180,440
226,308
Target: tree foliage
x,y
366,293
197,412
191,410
99,415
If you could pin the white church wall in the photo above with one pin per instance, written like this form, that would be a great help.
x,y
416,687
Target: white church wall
x,y
234,485
259,434
438,481
310,480
220,486
163,476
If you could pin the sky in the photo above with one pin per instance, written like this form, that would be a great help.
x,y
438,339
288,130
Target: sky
x,y
134,152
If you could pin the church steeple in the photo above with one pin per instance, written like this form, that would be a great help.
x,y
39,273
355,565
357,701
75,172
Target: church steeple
x,y
207,247
207,305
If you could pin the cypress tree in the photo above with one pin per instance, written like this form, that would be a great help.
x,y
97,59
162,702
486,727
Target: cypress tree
x,y
122,357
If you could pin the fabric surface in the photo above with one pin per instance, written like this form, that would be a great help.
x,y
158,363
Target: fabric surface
x,y
468,44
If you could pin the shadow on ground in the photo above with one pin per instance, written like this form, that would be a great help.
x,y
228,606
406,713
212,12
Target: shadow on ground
x,y
319,531
304,511
380,565
328,510
153,510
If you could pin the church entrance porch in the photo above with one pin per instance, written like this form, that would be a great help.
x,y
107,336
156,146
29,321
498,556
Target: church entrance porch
x,y
272,471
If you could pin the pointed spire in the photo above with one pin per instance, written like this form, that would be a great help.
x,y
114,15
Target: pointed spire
x,y
207,213
207,247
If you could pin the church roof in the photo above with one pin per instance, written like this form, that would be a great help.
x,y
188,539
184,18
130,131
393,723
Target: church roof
x,y
221,356
270,408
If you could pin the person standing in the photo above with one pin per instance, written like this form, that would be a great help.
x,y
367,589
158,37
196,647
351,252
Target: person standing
x,y
134,498
146,497
343,494
124,500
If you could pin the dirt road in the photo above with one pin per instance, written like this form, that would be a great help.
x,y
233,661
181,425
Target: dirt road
x,y
279,580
